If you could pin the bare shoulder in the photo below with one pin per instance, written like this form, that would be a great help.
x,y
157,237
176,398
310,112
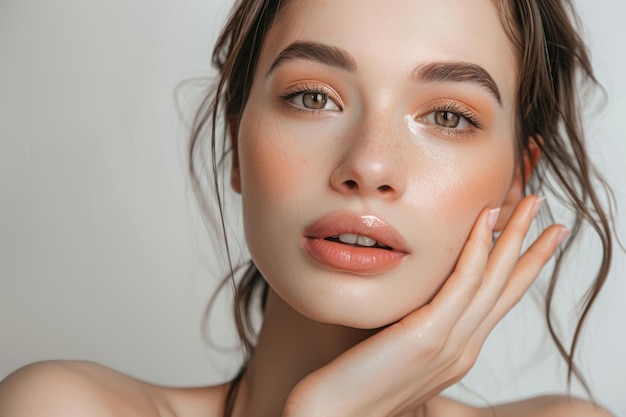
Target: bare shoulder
x,y
547,406
55,388
73,389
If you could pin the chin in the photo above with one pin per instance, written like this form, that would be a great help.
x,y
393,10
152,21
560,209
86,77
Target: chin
x,y
363,315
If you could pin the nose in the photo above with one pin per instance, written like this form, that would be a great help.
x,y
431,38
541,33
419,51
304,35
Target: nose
x,y
371,165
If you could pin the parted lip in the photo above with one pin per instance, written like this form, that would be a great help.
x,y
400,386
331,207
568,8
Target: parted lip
x,y
336,223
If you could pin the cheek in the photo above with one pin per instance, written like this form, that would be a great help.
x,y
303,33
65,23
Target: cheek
x,y
282,161
456,193
275,176
267,172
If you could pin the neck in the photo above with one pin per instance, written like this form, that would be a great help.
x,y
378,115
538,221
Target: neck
x,y
290,346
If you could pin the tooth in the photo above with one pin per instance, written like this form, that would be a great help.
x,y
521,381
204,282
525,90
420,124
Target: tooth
x,y
365,241
348,238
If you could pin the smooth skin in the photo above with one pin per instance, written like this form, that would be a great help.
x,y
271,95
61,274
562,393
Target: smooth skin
x,y
350,345
360,154
471,302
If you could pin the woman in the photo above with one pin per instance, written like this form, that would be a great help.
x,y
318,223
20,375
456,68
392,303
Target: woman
x,y
375,156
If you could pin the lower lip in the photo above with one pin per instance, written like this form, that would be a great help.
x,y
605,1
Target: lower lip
x,y
357,260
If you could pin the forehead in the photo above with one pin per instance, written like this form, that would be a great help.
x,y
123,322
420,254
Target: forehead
x,y
394,37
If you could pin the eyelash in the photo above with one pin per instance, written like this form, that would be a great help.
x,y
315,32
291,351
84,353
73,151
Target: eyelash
x,y
455,108
310,88
451,107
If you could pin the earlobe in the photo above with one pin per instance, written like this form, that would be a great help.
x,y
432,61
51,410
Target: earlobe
x,y
530,159
235,177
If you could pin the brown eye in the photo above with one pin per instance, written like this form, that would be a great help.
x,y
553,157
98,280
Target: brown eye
x,y
451,119
314,100
447,119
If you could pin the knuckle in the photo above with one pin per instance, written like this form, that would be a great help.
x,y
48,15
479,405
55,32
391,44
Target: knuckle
x,y
465,363
433,348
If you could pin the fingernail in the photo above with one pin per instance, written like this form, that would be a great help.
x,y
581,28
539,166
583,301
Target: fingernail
x,y
563,234
493,217
537,205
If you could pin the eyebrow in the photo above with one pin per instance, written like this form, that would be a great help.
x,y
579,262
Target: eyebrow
x,y
460,72
435,71
317,52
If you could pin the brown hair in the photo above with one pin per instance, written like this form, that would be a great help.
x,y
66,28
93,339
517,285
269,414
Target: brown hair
x,y
553,64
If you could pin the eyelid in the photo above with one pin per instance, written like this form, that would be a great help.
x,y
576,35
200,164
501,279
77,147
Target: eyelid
x,y
312,87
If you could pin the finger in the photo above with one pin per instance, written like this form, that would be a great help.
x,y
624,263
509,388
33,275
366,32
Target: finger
x,y
506,251
459,289
524,275
500,266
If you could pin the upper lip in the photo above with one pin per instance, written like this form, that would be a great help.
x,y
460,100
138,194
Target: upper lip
x,y
334,224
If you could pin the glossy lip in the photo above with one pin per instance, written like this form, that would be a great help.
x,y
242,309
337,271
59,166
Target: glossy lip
x,y
359,260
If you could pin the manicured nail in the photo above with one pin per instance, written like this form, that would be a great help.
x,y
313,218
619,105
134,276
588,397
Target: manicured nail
x,y
563,234
537,205
493,217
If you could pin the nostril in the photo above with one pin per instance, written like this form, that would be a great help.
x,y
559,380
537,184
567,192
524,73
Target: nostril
x,y
384,188
351,184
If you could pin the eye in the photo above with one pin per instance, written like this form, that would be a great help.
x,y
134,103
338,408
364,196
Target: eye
x,y
451,118
448,119
312,98
316,101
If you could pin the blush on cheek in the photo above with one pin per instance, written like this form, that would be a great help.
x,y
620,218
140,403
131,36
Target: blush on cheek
x,y
268,174
488,185
460,213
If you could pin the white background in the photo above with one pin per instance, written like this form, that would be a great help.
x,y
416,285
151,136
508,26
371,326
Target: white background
x,y
102,253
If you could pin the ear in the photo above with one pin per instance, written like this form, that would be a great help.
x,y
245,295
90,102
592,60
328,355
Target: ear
x,y
530,159
235,177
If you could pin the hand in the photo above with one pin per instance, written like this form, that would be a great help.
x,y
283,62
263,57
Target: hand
x,y
413,360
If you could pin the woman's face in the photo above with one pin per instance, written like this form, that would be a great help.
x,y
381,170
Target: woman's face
x,y
373,123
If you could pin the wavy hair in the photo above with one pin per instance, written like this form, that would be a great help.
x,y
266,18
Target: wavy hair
x,y
553,67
